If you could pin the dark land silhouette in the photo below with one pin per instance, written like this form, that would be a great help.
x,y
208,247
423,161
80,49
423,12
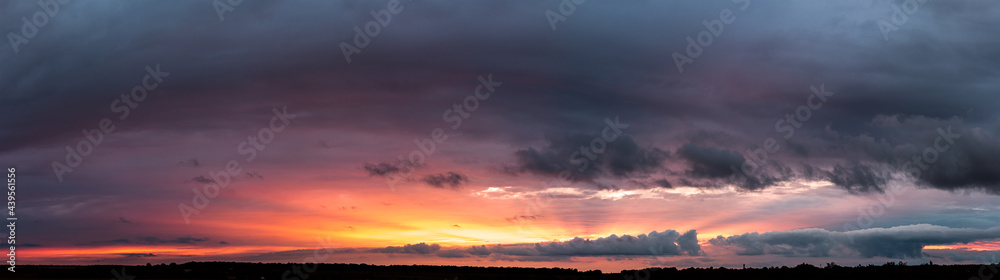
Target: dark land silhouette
x,y
293,271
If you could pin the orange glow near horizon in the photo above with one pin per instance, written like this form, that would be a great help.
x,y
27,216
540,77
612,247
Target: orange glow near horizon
x,y
973,246
156,250
475,215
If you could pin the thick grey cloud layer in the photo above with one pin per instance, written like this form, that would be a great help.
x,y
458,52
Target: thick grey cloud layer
x,y
562,82
708,162
947,154
666,243
574,154
857,178
895,242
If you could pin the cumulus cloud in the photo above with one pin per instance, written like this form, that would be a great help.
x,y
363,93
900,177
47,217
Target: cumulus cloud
x,y
895,242
655,243
419,248
665,243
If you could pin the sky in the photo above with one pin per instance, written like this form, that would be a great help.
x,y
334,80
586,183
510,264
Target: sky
x,y
594,135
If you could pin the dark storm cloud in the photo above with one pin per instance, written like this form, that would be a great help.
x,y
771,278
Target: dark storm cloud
x,y
895,242
576,79
622,157
972,163
663,183
939,153
303,54
709,167
709,162
446,180
858,178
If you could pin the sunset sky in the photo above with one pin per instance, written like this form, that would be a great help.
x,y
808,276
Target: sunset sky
x,y
597,135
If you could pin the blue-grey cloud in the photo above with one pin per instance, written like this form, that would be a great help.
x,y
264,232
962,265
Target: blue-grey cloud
x,y
895,242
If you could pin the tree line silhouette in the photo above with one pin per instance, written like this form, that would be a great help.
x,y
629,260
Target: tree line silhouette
x,y
283,271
